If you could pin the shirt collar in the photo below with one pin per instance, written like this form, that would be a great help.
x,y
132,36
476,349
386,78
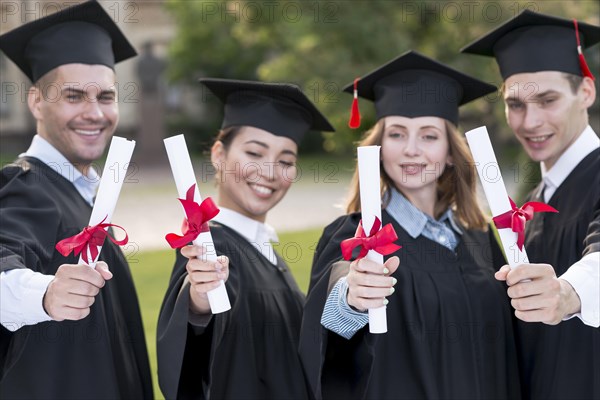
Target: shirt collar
x,y
86,186
413,220
41,149
586,143
249,228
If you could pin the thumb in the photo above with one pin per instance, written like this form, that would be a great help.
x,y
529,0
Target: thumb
x,y
392,264
102,268
502,273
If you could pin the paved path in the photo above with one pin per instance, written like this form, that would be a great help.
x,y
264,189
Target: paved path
x,y
148,206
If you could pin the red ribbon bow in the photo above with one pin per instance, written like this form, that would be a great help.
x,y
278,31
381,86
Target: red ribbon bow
x,y
87,241
515,219
196,221
379,240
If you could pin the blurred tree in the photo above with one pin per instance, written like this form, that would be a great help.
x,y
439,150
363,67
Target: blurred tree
x,y
324,45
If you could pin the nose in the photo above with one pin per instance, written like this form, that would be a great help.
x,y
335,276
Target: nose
x,y
533,117
411,149
93,111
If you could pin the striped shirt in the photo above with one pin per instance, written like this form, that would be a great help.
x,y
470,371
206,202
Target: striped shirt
x,y
338,316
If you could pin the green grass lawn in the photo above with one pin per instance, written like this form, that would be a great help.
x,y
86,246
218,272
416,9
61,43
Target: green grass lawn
x,y
152,270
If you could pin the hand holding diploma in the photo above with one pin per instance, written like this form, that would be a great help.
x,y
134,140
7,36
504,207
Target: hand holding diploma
x,y
72,291
368,283
537,294
185,180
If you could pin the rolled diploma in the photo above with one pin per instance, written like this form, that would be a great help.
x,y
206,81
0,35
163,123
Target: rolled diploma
x,y
183,172
370,201
113,176
495,191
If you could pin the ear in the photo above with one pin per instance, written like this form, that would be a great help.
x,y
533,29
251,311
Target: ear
x,y
217,154
34,101
587,92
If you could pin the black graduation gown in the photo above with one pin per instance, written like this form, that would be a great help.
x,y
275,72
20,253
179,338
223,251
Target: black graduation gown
x,y
450,328
248,352
102,356
563,361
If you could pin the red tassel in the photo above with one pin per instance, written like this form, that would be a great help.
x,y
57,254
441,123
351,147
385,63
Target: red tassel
x,y
585,70
354,112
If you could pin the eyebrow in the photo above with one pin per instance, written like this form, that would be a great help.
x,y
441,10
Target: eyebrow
x,y
266,146
533,96
420,128
81,92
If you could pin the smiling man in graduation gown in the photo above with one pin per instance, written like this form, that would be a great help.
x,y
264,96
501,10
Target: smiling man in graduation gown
x,y
68,331
548,89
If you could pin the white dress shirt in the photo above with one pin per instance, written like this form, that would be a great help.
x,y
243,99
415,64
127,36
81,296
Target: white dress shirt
x,y
22,290
584,275
259,234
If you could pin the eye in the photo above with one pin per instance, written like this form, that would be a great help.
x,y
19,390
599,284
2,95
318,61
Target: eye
x,y
253,154
73,97
287,164
430,137
395,134
107,98
515,106
548,101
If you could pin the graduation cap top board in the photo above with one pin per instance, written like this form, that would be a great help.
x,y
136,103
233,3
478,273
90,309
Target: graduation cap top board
x,y
533,42
82,34
413,85
279,108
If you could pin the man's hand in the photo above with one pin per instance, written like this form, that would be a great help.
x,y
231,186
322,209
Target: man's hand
x,y
369,283
73,290
203,276
538,295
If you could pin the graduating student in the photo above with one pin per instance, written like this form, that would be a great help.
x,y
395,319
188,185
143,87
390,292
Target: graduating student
x,y
547,91
68,331
450,331
250,351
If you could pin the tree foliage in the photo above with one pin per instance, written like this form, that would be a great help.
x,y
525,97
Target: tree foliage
x,y
324,45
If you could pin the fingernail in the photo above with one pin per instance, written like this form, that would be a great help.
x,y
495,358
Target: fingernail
x,y
392,290
385,302
386,271
394,280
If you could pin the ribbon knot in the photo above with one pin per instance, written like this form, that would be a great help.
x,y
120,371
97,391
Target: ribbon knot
x,y
381,241
196,221
88,240
516,218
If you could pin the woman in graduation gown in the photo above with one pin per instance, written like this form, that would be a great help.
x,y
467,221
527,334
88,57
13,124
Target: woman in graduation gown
x,y
450,326
250,351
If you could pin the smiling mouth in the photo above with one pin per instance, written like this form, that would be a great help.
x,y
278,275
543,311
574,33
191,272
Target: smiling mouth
x,y
539,139
412,168
88,132
262,190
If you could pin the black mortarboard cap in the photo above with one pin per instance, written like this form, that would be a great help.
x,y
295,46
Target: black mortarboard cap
x,y
413,85
279,108
82,34
533,42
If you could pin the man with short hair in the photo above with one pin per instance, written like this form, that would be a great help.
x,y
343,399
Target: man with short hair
x,y
67,330
547,90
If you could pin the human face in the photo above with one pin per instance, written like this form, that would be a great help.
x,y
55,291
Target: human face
x,y
544,113
414,153
76,111
255,172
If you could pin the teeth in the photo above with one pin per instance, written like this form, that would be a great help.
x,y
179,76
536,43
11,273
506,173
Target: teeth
x,y
538,138
411,169
261,189
88,133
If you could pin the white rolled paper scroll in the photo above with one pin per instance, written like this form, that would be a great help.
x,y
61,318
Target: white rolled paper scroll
x,y
113,176
370,204
183,172
495,191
